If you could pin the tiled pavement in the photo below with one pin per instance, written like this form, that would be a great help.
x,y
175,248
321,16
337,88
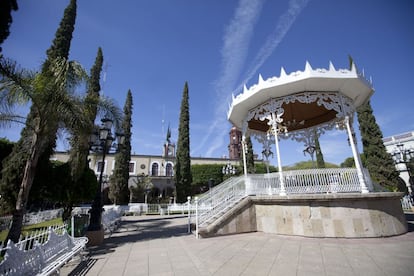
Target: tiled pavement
x,y
148,245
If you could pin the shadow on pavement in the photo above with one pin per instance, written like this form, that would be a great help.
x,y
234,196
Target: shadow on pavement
x,y
130,231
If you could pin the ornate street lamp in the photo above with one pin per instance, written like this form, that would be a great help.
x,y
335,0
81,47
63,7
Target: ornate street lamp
x,y
310,150
228,169
403,156
101,142
266,153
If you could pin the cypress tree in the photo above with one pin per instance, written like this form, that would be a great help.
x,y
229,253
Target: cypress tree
x,y
320,162
250,156
378,161
118,190
183,177
61,43
80,137
78,154
12,173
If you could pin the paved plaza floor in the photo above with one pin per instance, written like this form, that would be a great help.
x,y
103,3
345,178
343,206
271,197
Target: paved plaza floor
x,y
160,245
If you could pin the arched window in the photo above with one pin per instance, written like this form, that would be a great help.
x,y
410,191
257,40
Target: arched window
x,y
154,169
169,169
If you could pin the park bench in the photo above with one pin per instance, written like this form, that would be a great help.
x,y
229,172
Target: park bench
x,y
42,259
111,218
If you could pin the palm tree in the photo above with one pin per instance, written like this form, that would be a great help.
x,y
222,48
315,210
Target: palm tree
x,y
53,105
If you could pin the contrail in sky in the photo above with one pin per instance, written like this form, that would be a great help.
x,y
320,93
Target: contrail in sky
x,y
236,42
273,40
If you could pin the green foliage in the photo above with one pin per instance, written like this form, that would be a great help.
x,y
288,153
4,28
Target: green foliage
x,y
52,105
6,148
378,161
118,191
53,185
79,140
304,165
260,168
205,175
141,188
63,36
349,162
183,177
250,156
6,6
320,162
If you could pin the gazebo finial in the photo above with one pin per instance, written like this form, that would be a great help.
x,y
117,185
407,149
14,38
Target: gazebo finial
x,y
331,66
282,72
244,88
308,67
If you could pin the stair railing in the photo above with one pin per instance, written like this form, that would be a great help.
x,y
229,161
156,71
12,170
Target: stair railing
x,y
220,198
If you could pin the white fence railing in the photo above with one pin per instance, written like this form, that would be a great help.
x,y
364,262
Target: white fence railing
x,y
332,180
219,199
39,236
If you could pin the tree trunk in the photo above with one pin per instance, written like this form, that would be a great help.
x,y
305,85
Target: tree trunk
x,y
25,186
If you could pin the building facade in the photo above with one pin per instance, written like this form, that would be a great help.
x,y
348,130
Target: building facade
x,y
401,147
158,168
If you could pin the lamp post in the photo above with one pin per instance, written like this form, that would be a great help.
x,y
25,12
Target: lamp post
x,y
101,142
228,169
310,150
403,156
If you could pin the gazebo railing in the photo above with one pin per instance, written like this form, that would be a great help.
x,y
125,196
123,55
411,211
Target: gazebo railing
x,y
219,199
214,202
332,180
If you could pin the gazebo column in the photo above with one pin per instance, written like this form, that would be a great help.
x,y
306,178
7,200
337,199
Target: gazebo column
x,y
357,158
275,120
244,154
247,181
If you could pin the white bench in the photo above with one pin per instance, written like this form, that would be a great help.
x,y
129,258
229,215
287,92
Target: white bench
x,y
43,259
111,218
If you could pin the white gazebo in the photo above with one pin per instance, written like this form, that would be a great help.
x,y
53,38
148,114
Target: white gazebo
x,y
299,106
316,202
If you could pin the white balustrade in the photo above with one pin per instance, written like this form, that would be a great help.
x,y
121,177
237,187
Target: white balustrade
x,y
213,203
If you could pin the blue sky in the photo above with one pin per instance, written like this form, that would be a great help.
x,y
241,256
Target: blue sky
x,y
153,47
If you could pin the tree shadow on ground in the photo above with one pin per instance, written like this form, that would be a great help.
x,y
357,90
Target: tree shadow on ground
x,y
132,231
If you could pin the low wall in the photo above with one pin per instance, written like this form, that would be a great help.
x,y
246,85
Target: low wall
x,y
318,215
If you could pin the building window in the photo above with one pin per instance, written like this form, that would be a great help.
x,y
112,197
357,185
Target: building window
x,y
169,169
131,167
154,169
100,167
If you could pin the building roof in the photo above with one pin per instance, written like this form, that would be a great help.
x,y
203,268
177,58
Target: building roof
x,y
289,87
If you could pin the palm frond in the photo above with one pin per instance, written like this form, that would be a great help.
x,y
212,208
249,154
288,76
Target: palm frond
x,y
16,84
67,74
109,109
8,119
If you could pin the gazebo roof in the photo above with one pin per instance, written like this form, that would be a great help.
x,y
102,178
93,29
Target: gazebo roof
x,y
297,114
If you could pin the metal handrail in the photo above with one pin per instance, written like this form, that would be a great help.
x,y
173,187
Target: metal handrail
x,y
220,198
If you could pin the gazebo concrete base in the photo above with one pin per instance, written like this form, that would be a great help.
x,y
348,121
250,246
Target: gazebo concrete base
x,y
342,215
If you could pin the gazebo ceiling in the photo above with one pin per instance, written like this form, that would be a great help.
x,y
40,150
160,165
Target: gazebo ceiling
x,y
297,116
310,110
